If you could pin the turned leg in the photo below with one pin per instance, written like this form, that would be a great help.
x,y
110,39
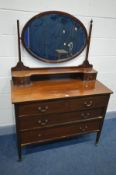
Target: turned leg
x,y
19,153
98,137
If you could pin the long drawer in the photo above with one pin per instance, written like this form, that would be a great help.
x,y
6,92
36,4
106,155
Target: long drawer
x,y
39,121
59,106
54,133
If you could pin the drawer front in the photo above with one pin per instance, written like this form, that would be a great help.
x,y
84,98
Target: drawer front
x,y
42,108
62,105
54,133
88,102
38,121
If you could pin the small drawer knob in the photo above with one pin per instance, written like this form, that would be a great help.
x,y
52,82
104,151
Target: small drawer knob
x,y
39,121
39,135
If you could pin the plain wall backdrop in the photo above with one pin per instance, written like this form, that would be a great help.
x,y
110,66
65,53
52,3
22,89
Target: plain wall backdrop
x,y
102,50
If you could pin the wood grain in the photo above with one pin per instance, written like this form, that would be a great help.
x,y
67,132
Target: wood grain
x,y
54,89
50,71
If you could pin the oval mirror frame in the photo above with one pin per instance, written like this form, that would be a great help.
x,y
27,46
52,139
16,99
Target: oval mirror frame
x,y
50,50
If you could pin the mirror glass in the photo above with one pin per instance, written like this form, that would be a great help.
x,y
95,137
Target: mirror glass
x,y
54,36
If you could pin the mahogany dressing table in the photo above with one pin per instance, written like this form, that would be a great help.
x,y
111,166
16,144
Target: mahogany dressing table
x,y
58,102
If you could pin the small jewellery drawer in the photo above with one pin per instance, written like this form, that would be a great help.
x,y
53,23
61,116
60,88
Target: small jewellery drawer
x,y
42,107
53,133
38,121
88,102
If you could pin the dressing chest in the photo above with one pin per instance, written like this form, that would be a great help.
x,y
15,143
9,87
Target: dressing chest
x,y
59,102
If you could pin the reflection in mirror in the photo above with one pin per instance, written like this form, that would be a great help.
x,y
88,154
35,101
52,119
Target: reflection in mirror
x,y
54,37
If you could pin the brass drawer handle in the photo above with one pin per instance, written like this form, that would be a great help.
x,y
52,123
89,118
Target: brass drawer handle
x,y
85,115
43,109
83,128
88,103
44,122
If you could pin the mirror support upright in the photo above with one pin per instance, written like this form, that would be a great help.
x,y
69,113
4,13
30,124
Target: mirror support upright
x,y
20,66
86,62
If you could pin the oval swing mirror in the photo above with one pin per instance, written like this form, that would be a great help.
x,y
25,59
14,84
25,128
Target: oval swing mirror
x,y
54,36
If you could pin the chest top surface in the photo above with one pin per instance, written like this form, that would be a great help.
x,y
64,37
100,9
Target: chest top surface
x,y
55,89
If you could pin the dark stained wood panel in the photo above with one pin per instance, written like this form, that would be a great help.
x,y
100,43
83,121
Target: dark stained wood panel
x,y
53,133
47,120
